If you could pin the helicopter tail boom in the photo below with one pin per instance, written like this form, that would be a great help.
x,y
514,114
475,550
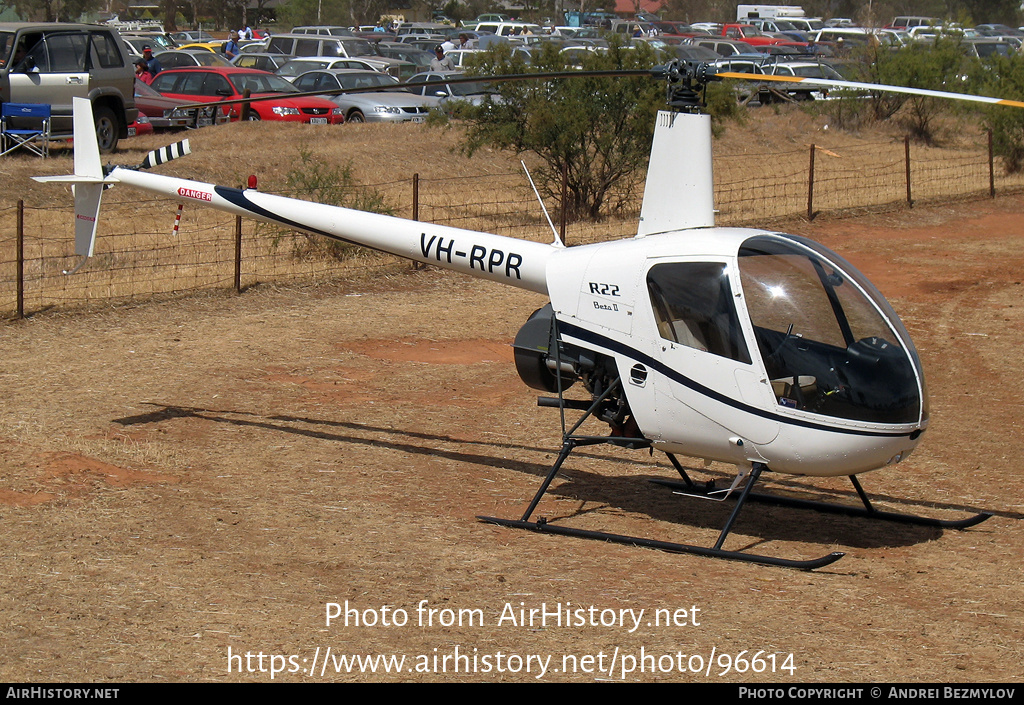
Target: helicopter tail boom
x,y
519,263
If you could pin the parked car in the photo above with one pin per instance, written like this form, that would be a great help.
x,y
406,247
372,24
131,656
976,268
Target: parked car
x,y
692,52
319,45
214,84
803,69
261,61
141,126
157,42
382,106
190,57
166,114
395,50
988,47
53,62
723,47
189,36
447,93
330,30
393,67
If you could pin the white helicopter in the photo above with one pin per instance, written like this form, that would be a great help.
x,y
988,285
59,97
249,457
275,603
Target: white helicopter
x,y
750,347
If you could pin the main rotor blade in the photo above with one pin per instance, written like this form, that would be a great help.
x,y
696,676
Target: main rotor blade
x,y
548,75
870,87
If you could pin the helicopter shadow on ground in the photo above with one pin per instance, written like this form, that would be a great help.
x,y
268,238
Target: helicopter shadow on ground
x,y
596,492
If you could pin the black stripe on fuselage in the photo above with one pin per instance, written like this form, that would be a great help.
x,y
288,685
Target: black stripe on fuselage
x,y
237,197
627,351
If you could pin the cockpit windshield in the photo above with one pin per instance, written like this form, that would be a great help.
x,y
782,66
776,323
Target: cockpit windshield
x,y
820,328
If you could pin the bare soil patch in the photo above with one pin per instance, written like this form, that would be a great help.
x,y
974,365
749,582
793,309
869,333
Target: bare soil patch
x,y
193,476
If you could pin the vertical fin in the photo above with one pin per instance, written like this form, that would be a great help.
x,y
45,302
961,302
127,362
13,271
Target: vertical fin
x,y
87,212
680,191
87,148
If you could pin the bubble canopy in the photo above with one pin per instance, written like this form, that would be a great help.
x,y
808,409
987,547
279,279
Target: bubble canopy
x,y
831,344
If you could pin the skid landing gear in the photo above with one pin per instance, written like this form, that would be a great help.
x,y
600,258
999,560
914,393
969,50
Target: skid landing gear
x,y
571,441
543,527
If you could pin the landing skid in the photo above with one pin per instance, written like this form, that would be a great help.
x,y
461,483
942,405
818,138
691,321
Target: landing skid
x,y
570,442
690,488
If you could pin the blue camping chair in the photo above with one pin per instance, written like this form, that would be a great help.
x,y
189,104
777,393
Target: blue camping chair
x,y
25,125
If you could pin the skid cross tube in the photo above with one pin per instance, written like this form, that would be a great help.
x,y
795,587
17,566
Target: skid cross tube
x,y
689,487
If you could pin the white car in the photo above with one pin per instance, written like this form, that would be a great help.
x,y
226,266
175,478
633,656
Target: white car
x,y
301,64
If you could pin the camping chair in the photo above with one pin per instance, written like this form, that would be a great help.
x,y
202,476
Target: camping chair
x,y
30,128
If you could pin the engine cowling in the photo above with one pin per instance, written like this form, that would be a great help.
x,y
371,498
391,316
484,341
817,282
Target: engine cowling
x,y
538,355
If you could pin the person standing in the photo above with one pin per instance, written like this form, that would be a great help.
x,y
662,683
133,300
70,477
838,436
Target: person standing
x,y
151,62
142,71
440,62
231,47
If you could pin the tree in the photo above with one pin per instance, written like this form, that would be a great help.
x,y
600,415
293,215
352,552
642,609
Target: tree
x,y
940,66
306,12
51,10
1003,77
597,131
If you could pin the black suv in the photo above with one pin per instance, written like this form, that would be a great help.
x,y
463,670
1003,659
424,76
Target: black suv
x,y
54,62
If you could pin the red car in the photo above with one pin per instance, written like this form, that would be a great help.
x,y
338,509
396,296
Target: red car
x,y
207,84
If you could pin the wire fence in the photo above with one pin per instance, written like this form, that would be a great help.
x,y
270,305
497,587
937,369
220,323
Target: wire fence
x,y
140,254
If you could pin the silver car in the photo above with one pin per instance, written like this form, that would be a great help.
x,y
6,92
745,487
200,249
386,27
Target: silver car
x,y
373,106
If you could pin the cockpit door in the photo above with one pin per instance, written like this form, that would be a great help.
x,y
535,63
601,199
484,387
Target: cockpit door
x,y
705,378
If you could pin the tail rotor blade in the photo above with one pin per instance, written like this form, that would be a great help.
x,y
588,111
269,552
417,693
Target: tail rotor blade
x,y
166,154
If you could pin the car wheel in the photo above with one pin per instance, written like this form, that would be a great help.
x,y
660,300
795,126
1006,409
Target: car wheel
x,y
253,116
106,128
355,116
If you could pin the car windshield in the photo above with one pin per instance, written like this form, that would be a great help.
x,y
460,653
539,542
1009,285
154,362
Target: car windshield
x,y
817,71
357,47
208,58
366,80
297,68
261,83
143,89
987,50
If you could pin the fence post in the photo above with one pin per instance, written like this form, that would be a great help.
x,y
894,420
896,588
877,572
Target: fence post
x,y
416,211
906,152
21,260
238,254
991,168
243,114
810,187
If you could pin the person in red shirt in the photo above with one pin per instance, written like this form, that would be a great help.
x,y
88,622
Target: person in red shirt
x,y
142,71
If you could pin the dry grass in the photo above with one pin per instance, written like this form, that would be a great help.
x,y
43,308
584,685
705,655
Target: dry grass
x,y
184,477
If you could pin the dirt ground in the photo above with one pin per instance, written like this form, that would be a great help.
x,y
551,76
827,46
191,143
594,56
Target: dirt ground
x,y
187,486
